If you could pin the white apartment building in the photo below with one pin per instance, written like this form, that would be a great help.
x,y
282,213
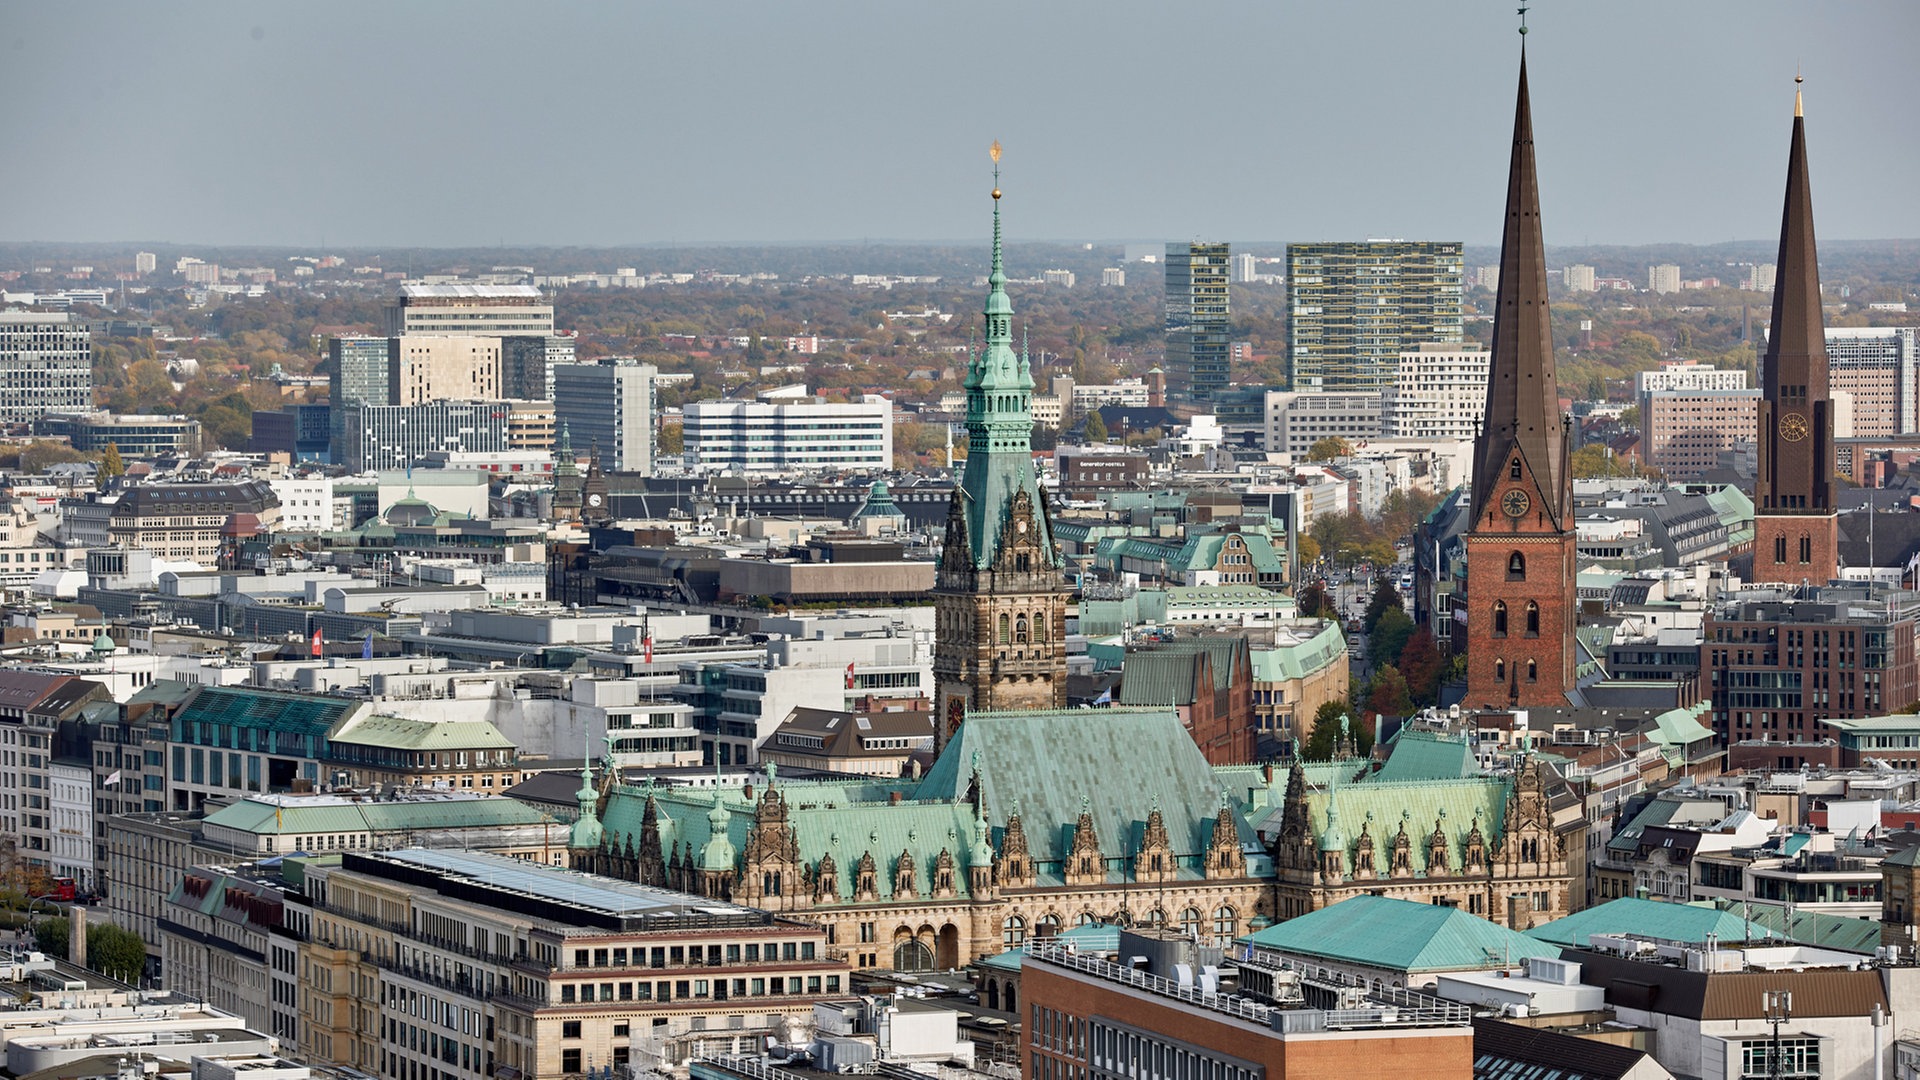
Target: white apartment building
x,y
1758,278
1439,393
46,365
785,431
70,817
306,503
608,406
1683,375
1663,279
486,310
1113,277
1578,278
1295,421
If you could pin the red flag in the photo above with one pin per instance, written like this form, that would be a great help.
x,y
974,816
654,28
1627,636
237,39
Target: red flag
x,y
647,647
316,642
849,676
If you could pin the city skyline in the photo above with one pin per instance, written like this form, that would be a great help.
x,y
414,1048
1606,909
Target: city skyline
x,y
786,127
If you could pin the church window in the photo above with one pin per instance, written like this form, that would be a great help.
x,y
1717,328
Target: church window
x,y
1020,630
1779,549
1533,671
1513,470
1013,932
1499,618
1516,567
1005,633
1533,619
1806,549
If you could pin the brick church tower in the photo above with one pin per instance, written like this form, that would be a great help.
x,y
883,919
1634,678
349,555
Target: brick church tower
x,y
1796,535
999,595
1520,545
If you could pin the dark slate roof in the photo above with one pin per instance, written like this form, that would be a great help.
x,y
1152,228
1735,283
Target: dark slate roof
x,y
1879,540
1503,1051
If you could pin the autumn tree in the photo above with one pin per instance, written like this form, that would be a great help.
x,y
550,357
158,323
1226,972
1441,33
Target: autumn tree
x,y
1385,598
1389,636
1421,665
1387,692
110,464
1330,448
673,440
1311,600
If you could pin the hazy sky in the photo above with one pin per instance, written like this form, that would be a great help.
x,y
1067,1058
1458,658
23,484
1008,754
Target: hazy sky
x,y
441,123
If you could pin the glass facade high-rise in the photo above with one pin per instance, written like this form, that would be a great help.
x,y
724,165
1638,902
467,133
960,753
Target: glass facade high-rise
x,y
1354,307
46,365
1198,349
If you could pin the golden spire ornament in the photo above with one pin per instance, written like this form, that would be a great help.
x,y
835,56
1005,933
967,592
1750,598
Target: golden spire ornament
x,y
994,153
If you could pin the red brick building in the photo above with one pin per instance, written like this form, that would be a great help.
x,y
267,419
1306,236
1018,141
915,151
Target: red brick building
x,y
1520,541
1210,681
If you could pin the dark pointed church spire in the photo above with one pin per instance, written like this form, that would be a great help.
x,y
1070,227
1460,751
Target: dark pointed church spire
x,y
1798,335
1523,394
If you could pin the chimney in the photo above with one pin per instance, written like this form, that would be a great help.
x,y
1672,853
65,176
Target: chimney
x,y
1519,911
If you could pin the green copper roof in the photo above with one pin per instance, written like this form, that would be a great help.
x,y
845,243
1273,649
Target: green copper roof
x,y
999,467
1812,927
1631,915
1302,658
879,504
1400,935
1424,755
269,710
1381,808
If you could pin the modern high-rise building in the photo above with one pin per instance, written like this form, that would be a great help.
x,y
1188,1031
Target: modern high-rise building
x,y
1113,276
1663,279
1684,376
1439,393
424,368
359,376
1197,325
1758,278
144,262
608,406
1353,308
46,365
787,430
1521,543
1686,431
1243,268
487,310
1796,534
1578,278
1880,367
527,362
396,436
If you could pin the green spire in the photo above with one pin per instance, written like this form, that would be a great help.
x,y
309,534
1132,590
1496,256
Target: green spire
x,y
718,854
586,831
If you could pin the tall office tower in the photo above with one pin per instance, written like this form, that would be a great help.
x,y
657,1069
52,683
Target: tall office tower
x,y
1880,367
396,436
46,365
1243,268
527,362
1353,308
1663,279
1758,278
1520,546
424,368
144,262
487,310
788,430
1197,329
1796,535
1000,591
360,367
1579,278
1683,375
608,406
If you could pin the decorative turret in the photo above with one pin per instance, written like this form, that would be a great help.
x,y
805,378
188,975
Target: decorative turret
x,y
866,886
1333,849
717,858
586,835
1439,851
1154,862
1016,865
1224,857
980,855
826,883
904,885
1085,864
1402,856
1363,864
943,871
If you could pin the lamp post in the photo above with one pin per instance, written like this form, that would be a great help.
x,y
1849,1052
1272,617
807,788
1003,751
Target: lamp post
x,y
33,923
1777,1007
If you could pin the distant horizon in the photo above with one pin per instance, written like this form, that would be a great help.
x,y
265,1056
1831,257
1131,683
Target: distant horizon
x,y
485,123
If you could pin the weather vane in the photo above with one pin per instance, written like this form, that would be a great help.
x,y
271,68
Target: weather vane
x,y
1523,21
994,153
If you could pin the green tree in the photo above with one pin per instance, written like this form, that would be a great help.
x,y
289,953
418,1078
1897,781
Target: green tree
x,y
50,936
1329,448
1318,745
1597,463
1096,428
1389,637
1311,600
1385,598
116,952
1387,692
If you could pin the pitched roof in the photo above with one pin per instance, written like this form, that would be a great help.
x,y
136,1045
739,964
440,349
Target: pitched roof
x,y
271,710
406,733
1400,935
1503,1051
1425,755
1300,658
323,814
1159,678
1654,918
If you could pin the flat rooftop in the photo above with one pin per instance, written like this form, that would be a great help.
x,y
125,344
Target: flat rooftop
x,y
550,893
474,292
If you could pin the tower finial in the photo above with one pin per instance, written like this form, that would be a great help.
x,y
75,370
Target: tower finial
x,y
1798,111
994,153
1523,28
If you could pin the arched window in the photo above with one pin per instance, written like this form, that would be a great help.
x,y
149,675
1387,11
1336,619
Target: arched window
x,y
1040,626
1049,925
1533,671
1013,932
1499,618
1157,917
1190,922
1499,671
1533,619
1087,918
912,956
1224,922
1513,470
1020,630
1005,633
1516,567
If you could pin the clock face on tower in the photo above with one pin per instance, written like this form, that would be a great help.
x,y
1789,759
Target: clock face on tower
x,y
1793,427
1514,503
593,499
